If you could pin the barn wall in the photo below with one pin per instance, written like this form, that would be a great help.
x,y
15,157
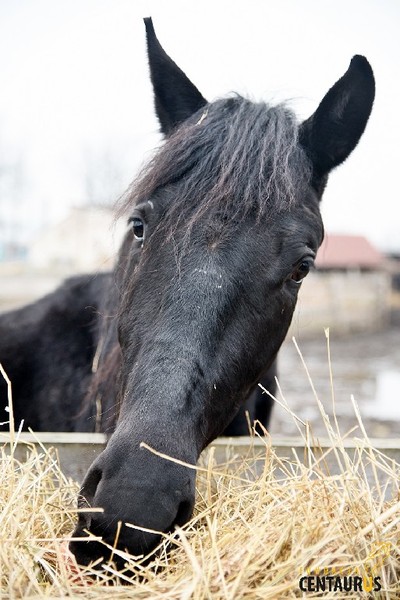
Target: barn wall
x,y
344,301
87,240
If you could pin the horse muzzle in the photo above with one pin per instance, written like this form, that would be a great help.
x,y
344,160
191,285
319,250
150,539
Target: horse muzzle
x,y
136,496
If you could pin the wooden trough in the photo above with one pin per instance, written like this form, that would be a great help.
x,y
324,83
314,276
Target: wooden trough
x,y
77,451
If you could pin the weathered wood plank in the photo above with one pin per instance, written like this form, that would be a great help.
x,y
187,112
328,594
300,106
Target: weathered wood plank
x,y
78,450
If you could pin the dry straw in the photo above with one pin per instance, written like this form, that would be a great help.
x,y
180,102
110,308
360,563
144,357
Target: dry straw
x,y
261,523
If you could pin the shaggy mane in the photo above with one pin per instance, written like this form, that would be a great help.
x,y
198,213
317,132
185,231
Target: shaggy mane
x,y
233,157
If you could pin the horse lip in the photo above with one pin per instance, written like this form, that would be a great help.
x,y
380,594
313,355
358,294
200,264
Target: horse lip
x,y
80,549
94,550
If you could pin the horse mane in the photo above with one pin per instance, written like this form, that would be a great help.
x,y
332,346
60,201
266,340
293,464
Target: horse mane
x,y
235,157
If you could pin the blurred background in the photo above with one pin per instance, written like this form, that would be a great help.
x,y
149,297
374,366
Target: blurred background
x,y
77,122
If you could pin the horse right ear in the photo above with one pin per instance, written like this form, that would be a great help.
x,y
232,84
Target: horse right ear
x,y
176,98
333,131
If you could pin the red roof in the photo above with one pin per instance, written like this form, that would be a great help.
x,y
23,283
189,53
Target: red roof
x,y
348,252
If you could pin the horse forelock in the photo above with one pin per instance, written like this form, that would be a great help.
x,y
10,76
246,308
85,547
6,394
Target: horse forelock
x,y
233,157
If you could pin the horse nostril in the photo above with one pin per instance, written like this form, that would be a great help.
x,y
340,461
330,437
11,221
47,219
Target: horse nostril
x,y
87,494
87,551
184,512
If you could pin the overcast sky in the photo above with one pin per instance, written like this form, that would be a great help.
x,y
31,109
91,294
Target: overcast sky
x,y
75,88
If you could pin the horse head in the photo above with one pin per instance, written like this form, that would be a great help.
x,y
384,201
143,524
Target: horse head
x,y
224,224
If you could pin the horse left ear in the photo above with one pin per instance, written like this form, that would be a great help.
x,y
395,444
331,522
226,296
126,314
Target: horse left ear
x,y
176,98
333,131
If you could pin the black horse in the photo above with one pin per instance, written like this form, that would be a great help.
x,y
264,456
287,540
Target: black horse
x,y
224,224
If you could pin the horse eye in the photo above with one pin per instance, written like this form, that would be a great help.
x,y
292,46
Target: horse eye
x,y
137,228
301,270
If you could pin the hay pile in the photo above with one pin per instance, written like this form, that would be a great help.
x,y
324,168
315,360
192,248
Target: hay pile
x,y
261,524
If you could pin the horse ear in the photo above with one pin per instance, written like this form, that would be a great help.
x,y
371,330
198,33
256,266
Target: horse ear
x,y
333,131
176,98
